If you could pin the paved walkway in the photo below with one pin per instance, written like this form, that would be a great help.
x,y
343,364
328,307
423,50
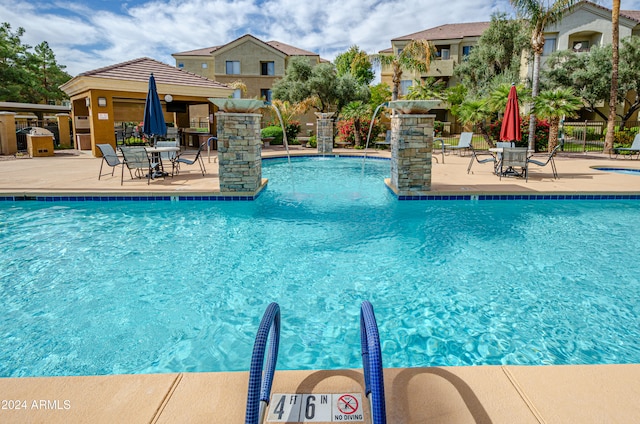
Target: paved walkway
x,y
483,394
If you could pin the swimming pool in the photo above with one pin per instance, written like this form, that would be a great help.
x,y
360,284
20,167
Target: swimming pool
x,y
143,287
628,171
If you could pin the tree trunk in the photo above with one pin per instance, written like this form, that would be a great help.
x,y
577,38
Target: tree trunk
x,y
535,88
613,101
356,132
554,124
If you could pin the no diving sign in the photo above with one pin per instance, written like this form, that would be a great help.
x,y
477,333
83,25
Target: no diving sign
x,y
309,408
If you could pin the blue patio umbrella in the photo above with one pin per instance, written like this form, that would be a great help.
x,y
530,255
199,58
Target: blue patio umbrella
x,y
153,124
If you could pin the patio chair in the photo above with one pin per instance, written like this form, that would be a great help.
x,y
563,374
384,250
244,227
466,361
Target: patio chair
x,y
109,157
549,160
463,143
635,147
481,156
182,158
512,158
137,160
386,141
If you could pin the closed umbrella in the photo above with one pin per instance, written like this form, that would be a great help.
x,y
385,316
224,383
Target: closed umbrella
x,y
154,124
510,130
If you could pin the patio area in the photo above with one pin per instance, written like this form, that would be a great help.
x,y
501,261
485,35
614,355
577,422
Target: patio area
x,y
76,172
479,394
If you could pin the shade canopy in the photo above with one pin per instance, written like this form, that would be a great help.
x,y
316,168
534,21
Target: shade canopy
x,y
510,130
154,124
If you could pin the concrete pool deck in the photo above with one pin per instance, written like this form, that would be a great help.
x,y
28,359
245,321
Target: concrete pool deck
x,y
480,394
77,173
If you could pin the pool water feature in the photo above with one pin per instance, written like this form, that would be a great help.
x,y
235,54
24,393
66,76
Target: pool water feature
x,y
91,288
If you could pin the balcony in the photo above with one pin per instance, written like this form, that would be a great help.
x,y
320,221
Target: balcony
x,y
441,68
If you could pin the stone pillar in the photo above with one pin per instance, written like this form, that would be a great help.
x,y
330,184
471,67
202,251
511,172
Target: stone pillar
x,y
239,152
411,146
8,140
325,132
64,129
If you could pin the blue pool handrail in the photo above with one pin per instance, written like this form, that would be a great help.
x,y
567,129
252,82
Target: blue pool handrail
x,y
372,363
259,382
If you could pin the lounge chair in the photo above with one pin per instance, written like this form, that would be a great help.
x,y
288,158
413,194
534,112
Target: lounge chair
x,y
109,157
386,141
549,160
137,159
635,147
463,143
481,156
512,158
182,158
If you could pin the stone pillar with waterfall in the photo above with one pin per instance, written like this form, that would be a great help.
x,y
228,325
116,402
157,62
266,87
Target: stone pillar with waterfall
x,y
411,149
239,153
325,132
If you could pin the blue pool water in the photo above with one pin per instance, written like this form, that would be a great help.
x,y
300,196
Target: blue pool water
x,y
91,288
627,171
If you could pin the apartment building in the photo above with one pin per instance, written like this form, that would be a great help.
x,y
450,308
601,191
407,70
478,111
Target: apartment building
x,y
256,63
583,26
452,42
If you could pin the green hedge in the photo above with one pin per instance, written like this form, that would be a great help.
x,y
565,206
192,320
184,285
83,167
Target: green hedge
x,y
272,131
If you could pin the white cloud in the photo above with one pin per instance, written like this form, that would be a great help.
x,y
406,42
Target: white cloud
x,y
84,37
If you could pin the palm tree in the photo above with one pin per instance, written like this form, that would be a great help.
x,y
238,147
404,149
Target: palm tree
x,y
356,111
539,13
554,105
497,101
238,85
415,56
615,58
427,89
476,112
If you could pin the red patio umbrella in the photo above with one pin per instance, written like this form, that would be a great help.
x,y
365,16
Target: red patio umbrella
x,y
510,130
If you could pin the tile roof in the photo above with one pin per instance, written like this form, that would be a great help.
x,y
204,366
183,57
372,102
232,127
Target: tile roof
x,y
448,31
278,45
290,50
631,14
198,52
139,70
634,15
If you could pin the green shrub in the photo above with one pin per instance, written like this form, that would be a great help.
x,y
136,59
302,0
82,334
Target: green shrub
x,y
542,135
313,141
623,138
346,130
438,128
293,129
272,131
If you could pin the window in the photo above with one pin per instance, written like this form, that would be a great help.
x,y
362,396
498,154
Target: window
x,y
180,65
237,93
265,93
549,46
404,86
466,50
267,68
204,65
443,52
581,46
233,67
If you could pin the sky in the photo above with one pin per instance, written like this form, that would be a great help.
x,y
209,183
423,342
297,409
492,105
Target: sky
x,y
91,34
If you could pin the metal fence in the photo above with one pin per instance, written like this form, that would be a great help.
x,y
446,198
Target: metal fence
x,y
588,136
582,137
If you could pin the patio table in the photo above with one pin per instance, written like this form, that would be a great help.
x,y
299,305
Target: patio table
x,y
155,154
